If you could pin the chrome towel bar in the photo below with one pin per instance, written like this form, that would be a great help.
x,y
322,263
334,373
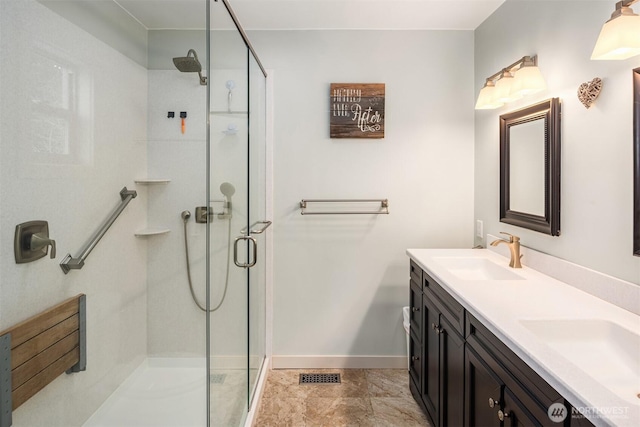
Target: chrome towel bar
x,y
71,263
384,207
254,230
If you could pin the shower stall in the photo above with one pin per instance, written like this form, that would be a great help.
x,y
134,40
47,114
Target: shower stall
x,y
95,96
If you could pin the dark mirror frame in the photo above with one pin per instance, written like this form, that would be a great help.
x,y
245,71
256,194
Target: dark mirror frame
x,y
549,111
636,162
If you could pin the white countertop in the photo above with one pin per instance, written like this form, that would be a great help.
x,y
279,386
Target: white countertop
x,y
501,305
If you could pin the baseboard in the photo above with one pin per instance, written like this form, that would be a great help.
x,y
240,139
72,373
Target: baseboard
x,y
336,362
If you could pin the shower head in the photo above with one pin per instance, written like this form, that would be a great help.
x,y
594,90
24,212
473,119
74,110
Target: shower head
x,y
190,64
227,189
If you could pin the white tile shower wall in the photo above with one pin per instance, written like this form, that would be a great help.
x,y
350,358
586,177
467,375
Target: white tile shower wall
x,y
340,282
176,325
73,133
596,167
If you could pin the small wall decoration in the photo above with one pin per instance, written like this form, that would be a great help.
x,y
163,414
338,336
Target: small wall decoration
x,y
357,110
589,91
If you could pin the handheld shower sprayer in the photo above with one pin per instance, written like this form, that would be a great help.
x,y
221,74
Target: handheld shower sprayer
x,y
228,190
230,85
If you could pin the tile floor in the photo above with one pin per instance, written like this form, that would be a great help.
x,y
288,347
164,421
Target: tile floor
x,y
365,397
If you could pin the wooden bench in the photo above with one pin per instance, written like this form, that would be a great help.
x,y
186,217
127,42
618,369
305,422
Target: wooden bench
x,y
36,351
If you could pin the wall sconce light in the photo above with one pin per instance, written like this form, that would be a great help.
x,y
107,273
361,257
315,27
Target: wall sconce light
x,y
620,35
519,79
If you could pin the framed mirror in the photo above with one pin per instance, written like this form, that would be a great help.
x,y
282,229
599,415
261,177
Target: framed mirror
x,y
530,167
636,162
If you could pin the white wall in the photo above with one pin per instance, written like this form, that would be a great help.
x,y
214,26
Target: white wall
x,y
75,193
340,281
596,168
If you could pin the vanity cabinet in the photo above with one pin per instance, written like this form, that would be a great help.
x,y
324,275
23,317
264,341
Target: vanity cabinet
x,y
463,375
437,352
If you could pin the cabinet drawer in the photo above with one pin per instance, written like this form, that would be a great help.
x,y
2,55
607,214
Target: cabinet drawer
x,y
415,310
416,272
452,309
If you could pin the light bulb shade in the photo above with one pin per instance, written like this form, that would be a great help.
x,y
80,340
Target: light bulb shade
x,y
528,80
619,39
504,92
486,99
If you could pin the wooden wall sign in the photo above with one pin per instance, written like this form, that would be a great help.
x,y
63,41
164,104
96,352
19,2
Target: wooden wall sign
x,y
357,110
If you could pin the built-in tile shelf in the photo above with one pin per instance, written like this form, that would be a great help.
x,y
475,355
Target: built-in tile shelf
x,y
151,231
149,181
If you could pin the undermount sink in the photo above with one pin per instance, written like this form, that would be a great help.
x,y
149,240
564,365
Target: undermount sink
x,y
476,268
604,350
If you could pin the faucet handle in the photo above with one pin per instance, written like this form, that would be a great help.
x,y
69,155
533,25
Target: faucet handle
x,y
512,238
41,240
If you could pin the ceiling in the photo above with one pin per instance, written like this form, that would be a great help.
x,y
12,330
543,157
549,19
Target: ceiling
x,y
319,14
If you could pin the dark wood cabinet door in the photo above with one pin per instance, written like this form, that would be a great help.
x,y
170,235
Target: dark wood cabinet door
x,y
415,362
415,307
451,375
431,357
481,386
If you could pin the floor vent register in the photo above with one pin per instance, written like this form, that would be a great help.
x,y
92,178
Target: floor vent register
x,y
319,379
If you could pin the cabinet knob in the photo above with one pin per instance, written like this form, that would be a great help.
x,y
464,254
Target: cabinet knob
x,y
502,415
493,403
436,328
414,309
415,358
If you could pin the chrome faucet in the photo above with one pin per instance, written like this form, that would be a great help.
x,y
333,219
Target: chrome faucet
x,y
514,248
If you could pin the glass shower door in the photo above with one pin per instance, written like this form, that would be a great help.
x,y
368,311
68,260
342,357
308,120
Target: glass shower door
x,y
237,232
228,184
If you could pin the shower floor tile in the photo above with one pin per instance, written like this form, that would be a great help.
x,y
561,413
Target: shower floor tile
x,y
172,393
365,397
156,397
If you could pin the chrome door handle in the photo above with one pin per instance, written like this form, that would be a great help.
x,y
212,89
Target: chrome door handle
x,y
254,230
235,252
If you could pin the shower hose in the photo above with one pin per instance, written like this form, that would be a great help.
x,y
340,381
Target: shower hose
x,y
185,218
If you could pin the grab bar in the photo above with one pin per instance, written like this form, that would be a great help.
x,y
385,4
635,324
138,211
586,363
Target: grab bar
x,y
70,263
384,206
